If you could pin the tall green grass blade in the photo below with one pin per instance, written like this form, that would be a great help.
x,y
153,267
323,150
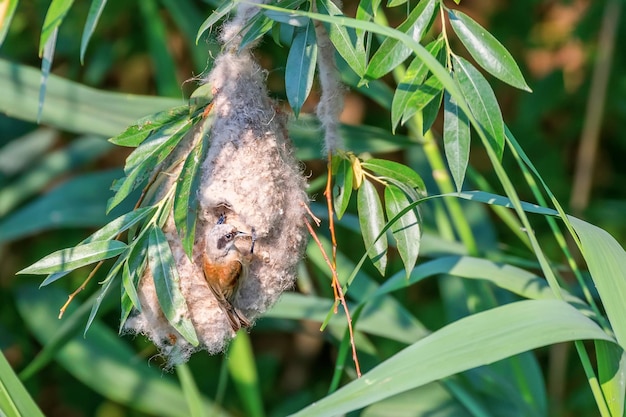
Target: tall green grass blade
x,y
243,371
465,344
15,401
191,391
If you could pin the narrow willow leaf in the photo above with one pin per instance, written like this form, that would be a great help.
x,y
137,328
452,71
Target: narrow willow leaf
x,y
143,161
256,27
488,52
396,171
166,283
395,3
407,230
186,196
606,261
142,128
612,375
132,272
468,343
54,17
411,81
343,38
46,63
392,52
426,98
372,221
7,10
456,139
112,276
300,68
482,103
431,110
108,232
95,10
217,14
72,258
342,190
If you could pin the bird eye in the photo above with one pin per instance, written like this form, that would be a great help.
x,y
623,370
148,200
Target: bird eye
x,y
229,236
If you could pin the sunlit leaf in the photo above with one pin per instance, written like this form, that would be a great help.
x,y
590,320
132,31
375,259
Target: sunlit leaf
x,y
166,283
401,175
482,102
72,258
456,139
142,128
487,50
186,196
15,401
606,260
221,11
410,83
612,375
7,10
300,68
392,52
344,39
468,343
372,221
407,230
54,17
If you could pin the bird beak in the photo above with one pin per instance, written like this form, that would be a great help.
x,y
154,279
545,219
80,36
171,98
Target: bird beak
x,y
242,234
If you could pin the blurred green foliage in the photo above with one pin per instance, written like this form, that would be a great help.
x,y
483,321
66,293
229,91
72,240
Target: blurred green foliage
x,y
148,48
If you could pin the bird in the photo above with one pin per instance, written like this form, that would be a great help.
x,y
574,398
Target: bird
x,y
225,267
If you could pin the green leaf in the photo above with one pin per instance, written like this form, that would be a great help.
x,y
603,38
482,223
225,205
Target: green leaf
x,y
144,127
166,283
411,82
372,221
15,401
132,272
343,38
606,261
103,361
300,69
54,17
221,11
242,369
8,10
486,50
482,103
406,231
256,27
72,258
456,139
112,275
392,52
71,106
145,158
342,190
430,110
186,196
612,375
402,175
190,390
468,343
95,11
46,64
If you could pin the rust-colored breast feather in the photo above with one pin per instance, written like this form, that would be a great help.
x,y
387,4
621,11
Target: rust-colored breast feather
x,y
222,278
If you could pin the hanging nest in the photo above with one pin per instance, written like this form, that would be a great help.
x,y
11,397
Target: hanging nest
x,y
251,181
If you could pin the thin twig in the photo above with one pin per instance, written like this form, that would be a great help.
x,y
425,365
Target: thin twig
x,y
340,296
331,226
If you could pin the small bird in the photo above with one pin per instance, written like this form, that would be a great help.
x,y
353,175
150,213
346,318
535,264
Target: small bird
x,y
224,268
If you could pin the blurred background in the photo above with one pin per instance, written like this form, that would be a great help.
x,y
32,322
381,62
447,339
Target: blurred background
x,y
53,183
